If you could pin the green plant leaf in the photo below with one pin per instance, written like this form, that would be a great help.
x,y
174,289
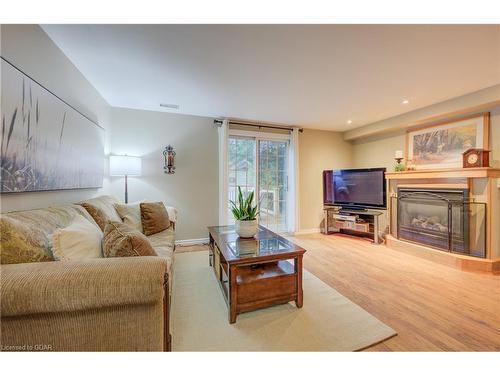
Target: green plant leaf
x,y
240,197
243,209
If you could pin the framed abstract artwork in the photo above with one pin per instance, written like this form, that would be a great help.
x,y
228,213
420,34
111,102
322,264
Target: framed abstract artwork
x,y
45,143
441,146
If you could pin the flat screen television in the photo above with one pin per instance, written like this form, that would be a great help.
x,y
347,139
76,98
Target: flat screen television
x,y
355,188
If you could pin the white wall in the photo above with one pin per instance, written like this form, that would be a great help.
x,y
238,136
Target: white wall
x,y
194,186
32,51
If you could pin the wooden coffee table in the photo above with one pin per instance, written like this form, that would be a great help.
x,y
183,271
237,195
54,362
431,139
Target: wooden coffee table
x,y
255,273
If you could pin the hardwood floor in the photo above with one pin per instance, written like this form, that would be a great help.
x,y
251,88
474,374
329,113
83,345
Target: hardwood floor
x,y
432,307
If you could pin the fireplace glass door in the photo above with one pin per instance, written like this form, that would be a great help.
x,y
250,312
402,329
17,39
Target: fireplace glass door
x,y
443,219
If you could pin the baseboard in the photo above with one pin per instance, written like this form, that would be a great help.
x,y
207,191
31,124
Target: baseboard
x,y
194,241
307,231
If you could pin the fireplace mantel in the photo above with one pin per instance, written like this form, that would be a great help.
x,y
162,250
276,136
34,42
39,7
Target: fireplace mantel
x,y
445,173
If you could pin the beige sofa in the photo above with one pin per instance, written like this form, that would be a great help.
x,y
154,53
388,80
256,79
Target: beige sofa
x,y
101,304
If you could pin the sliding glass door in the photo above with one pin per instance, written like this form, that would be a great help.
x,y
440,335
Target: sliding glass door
x,y
260,164
242,168
273,184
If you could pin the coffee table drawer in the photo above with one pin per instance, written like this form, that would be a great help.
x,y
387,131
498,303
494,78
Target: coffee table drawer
x,y
267,289
266,282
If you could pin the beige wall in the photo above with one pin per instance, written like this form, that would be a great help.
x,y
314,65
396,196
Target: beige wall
x,y
318,150
379,151
194,186
32,51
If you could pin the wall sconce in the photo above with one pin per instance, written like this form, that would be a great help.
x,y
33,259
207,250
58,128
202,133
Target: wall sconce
x,y
169,155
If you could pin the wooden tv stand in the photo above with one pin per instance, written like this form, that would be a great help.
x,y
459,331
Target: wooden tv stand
x,y
365,225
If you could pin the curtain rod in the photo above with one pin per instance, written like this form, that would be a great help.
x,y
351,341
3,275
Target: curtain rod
x,y
219,122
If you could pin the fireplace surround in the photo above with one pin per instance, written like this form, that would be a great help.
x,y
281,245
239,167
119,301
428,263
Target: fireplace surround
x,y
481,205
445,219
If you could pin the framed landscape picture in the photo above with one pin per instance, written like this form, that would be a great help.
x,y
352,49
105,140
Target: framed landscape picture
x,y
441,146
45,143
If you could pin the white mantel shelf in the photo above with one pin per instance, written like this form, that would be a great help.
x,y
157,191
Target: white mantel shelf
x,y
486,172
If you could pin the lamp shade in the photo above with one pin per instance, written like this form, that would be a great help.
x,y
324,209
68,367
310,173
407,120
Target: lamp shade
x,y
123,165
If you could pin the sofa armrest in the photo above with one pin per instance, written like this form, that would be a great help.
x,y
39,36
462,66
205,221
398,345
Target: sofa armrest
x,y
47,287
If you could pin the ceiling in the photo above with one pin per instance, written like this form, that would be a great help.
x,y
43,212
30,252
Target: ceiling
x,y
315,76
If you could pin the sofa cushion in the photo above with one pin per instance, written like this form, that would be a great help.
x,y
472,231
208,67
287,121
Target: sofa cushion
x,y
27,235
79,240
164,244
102,209
130,214
121,240
172,213
154,218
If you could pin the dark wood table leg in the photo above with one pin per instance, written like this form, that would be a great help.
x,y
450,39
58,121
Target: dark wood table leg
x,y
232,294
210,250
298,271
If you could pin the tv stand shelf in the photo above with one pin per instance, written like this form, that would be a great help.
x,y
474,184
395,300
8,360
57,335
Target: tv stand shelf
x,y
361,223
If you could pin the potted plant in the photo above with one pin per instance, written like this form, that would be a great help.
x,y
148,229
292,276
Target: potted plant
x,y
245,215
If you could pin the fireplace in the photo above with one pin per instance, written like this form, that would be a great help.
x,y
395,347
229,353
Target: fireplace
x,y
440,218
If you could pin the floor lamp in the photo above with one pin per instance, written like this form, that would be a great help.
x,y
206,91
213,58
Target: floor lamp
x,y
124,165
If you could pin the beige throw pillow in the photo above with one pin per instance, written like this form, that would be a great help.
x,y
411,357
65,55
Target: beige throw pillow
x,y
154,217
121,240
130,214
79,240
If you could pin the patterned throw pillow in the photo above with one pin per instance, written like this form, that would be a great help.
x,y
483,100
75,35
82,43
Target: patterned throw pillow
x,y
97,214
154,217
22,243
130,214
102,209
121,240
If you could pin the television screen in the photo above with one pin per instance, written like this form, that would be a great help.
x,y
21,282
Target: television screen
x,y
363,188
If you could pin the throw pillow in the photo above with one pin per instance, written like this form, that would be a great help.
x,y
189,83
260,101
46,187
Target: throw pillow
x,y
79,240
120,240
22,243
154,217
101,209
97,214
130,214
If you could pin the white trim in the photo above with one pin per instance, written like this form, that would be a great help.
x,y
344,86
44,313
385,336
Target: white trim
x,y
307,231
194,241
293,185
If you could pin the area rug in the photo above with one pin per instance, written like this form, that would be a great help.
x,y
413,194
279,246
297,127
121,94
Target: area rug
x,y
327,322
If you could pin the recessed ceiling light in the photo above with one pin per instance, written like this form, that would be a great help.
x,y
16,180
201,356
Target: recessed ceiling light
x,y
406,101
171,106
349,122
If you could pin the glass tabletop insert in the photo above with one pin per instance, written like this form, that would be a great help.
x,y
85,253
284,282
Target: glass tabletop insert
x,y
248,248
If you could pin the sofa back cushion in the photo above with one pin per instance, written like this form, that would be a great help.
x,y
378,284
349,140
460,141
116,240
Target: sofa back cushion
x,y
130,214
102,209
27,235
